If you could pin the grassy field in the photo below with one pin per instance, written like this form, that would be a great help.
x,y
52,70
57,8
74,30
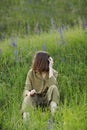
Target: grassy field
x,y
68,47
23,17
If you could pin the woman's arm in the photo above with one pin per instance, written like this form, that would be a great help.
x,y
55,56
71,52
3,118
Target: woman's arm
x,y
28,84
28,90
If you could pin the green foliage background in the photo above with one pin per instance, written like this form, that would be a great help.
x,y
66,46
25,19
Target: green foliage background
x,y
59,27
70,60
19,17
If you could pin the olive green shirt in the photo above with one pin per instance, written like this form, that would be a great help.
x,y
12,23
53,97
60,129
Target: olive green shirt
x,y
35,81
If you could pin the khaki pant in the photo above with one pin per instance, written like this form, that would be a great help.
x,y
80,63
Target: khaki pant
x,y
33,101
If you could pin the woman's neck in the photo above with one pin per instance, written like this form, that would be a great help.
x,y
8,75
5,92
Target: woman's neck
x,y
43,75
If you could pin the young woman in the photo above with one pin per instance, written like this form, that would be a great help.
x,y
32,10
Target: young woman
x,y
41,84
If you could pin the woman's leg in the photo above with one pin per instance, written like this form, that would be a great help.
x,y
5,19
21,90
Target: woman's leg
x,y
28,104
53,97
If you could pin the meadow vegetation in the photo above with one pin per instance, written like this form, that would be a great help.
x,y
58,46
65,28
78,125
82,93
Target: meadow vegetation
x,y
68,47
23,17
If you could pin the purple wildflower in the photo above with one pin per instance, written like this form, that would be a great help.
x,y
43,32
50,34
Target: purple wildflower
x,y
30,0
16,56
84,25
61,35
15,52
63,59
14,43
60,32
36,28
52,23
44,47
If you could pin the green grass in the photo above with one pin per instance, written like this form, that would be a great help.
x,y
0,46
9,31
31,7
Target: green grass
x,y
21,17
70,59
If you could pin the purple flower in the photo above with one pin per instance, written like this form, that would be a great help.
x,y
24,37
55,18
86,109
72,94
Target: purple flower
x,y
53,23
63,59
60,32
14,43
44,47
84,25
30,0
15,52
16,56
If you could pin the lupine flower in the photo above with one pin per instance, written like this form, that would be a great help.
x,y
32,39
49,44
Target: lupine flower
x,y
84,25
15,52
16,56
30,0
63,59
36,29
14,43
44,47
52,23
61,35
60,32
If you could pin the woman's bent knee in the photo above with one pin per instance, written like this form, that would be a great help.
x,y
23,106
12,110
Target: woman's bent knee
x,y
27,103
53,87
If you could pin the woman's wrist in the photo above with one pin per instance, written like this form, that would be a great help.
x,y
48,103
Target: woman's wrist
x,y
50,72
32,92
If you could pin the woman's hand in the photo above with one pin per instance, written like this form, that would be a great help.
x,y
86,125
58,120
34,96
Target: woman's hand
x,y
50,67
32,92
50,62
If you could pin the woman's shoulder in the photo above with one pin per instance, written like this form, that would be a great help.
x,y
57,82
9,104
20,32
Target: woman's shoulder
x,y
30,71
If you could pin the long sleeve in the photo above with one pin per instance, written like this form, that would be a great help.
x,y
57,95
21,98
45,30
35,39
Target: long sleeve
x,y
53,78
28,84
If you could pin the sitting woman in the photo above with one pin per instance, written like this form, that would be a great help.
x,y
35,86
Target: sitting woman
x,y
41,85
